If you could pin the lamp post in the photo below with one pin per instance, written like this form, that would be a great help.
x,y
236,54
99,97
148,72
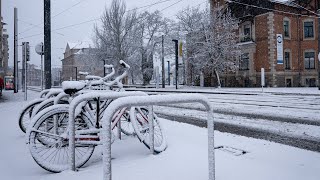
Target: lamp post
x,y
39,50
76,73
168,72
176,53
162,61
318,12
104,68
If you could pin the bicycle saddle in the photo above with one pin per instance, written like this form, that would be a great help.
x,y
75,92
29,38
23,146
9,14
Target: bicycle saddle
x,y
71,87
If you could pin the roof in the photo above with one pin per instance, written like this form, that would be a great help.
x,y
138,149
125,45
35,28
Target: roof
x,y
79,45
284,2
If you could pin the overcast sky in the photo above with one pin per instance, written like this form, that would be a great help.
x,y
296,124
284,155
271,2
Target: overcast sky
x,y
30,13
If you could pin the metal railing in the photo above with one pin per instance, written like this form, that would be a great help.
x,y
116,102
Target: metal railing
x,y
87,97
150,101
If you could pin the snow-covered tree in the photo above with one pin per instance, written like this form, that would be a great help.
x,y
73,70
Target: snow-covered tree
x,y
211,39
151,27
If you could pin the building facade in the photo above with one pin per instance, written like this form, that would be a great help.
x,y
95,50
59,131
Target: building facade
x,y
260,24
56,76
80,57
4,47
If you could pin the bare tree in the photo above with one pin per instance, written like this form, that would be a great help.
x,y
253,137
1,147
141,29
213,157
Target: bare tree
x,y
115,38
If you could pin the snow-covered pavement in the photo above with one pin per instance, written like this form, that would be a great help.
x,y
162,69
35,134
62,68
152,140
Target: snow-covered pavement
x,y
185,158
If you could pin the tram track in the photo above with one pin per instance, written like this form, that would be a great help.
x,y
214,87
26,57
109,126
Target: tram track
x,y
303,141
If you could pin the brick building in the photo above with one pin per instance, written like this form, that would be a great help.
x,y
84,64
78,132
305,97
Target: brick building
x,y
4,47
260,23
80,57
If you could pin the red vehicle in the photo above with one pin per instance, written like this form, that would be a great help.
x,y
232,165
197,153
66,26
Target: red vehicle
x,y
8,83
1,85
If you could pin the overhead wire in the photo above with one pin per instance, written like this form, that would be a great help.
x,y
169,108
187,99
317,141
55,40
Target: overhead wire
x,y
275,10
55,15
95,19
37,26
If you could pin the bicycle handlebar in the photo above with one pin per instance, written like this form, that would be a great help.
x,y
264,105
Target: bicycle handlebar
x,y
83,73
110,74
119,78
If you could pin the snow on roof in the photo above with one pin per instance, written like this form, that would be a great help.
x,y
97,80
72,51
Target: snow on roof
x,y
79,45
285,2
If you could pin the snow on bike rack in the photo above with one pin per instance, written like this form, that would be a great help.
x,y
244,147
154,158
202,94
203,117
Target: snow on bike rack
x,y
150,101
86,97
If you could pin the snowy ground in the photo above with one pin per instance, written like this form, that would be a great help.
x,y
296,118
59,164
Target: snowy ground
x,y
297,104
185,158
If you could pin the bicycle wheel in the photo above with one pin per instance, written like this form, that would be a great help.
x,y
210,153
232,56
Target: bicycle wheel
x,y
126,125
25,115
50,150
139,119
46,103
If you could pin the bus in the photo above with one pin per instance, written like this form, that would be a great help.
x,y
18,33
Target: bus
x,y
9,83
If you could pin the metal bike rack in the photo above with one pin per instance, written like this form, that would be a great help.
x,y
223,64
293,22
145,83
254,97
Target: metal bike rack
x,y
53,92
86,97
150,101
59,97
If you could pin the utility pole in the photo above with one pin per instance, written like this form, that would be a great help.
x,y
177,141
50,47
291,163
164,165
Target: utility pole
x,y
318,12
176,53
47,44
15,71
76,73
25,59
23,72
163,71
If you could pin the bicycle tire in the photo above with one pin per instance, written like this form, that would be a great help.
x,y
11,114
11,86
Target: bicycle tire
x,y
141,127
126,125
44,104
25,115
41,140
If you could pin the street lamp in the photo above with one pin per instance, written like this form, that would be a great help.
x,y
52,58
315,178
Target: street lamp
x,y
318,12
176,53
76,73
104,68
168,72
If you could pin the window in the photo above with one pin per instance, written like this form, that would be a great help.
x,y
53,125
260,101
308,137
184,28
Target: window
x,y
246,32
310,82
286,26
308,29
309,60
287,60
244,62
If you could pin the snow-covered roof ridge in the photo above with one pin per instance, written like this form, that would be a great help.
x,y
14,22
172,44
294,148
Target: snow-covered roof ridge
x,y
285,2
80,44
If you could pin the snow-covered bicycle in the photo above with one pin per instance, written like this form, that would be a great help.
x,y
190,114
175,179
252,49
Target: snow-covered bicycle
x,y
48,133
47,98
